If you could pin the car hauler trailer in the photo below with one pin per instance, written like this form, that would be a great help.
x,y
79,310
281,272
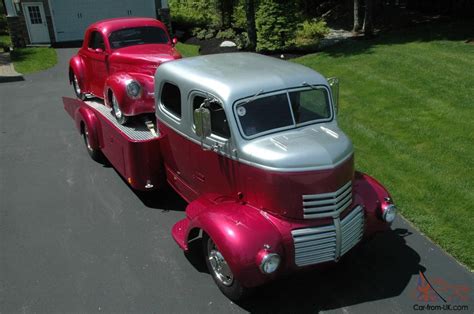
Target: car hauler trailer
x,y
253,145
133,150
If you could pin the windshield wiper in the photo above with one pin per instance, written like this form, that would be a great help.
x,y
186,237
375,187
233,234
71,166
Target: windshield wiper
x,y
253,97
310,85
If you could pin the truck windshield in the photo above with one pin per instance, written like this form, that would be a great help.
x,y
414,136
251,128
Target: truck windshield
x,y
282,111
137,36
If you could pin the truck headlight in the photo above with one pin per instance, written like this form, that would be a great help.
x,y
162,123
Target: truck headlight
x,y
270,263
389,213
134,89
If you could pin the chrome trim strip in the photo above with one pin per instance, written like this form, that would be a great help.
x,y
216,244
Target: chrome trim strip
x,y
330,204
337,224
327,195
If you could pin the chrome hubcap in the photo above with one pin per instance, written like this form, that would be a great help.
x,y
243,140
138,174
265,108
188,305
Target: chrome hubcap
x,y
219,266
117,111
76,85
86,138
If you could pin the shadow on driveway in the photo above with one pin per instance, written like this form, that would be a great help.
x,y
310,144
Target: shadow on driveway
x,y
378,269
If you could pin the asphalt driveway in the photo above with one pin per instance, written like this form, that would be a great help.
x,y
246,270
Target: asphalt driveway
x,y
75,238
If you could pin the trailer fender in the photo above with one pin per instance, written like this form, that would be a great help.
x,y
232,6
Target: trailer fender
x,y
85,117
77,66
242,234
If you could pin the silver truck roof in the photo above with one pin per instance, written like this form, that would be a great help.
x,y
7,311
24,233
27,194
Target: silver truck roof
x,y
232,76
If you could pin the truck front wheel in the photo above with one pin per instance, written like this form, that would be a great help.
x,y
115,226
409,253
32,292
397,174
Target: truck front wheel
x,y
121,118
221,272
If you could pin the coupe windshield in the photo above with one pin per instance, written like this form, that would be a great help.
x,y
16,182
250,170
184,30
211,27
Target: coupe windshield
x,y
137,36
285,110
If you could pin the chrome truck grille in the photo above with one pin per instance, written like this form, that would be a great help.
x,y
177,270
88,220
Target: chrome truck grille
x,y
327,204
328,243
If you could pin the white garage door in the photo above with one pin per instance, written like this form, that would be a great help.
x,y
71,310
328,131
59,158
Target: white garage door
x,y
71,17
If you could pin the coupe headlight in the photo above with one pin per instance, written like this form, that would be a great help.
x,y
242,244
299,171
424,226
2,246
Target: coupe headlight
x,y
134,89
270,263
389,213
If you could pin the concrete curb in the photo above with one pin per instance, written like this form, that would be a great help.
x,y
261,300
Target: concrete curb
x,y
7,71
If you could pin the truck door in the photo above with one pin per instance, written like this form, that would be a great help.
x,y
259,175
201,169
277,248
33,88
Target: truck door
x,y
173,124
214,171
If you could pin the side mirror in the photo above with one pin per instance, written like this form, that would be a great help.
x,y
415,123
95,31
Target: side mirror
x,y
202,120
174,41
99,50
334,84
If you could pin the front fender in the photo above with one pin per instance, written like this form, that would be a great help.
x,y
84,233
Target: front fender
x,y
117,84
77,66
373,195
240,232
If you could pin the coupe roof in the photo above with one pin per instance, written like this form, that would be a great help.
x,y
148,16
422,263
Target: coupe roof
x,y
109,25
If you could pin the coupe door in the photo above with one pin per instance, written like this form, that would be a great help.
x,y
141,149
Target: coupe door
x,y
96,59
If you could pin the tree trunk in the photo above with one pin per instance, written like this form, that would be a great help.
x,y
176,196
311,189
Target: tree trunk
x,y
251,29
356,27
226,9
368,27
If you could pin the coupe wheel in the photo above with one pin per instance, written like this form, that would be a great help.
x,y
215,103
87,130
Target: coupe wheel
x,y
121,118
77,87
221,272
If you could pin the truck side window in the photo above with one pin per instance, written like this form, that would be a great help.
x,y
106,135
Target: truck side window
x,y
96,41
171,99
219,124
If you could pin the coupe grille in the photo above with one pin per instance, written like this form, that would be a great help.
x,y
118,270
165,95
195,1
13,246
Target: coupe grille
x,y
327,243
327,204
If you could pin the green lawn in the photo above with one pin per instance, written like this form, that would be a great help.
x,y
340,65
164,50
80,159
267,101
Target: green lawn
x,y
187,50
29,60
407,102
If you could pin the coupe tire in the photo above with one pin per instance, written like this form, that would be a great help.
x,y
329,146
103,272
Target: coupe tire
x,y
221,272
96,154
118,114
77,88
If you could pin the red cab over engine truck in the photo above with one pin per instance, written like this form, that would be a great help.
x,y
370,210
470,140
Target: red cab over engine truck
x,y
253,145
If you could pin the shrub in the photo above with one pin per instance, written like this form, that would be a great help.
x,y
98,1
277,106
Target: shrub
x,y
309,34
239,19
203,33
194,12
242,40
226,34
276,23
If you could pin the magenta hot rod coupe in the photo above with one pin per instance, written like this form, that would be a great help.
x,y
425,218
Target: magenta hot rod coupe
x,y
117,62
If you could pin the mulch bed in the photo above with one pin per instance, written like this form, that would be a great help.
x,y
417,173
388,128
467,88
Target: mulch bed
x,y
210,46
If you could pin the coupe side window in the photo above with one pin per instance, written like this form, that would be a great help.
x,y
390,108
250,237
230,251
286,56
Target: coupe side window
x,y
219,124
171,99
96,41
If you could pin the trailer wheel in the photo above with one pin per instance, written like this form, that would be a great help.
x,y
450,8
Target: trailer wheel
x,y
95,153
121,118
220,271
77,87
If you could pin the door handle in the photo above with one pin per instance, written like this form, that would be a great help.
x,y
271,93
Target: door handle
x,y
199,176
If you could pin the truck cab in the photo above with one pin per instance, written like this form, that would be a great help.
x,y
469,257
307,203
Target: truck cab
x,y
253,144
